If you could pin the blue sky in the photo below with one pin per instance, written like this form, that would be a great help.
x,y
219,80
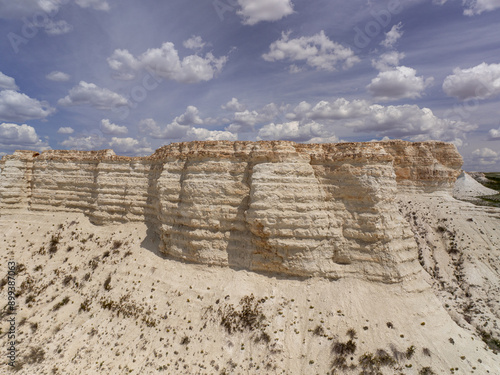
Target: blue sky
x,y
133,76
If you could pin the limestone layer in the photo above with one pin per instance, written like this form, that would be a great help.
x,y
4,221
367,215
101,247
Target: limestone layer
x,y
279,207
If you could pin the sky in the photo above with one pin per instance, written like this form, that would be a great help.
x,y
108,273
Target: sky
x,y
135,75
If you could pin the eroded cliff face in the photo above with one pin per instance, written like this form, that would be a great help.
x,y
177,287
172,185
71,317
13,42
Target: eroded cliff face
x,y
280,207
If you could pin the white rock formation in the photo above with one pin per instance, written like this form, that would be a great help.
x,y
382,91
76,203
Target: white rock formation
x,y
321,209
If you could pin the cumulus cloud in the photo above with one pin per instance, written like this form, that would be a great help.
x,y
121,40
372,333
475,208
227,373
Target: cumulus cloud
x,y
90,94
195,42
398,83
494,134
317,51
109,128
294,131
189,117
245,121
18,107
15,137
402,121
85,142
486,156
130,146
58,76
388,61
255,11
233,105
339,109
150,128
392,36
66,130
165,63
202,134
7,83
410,121
60,27
481,82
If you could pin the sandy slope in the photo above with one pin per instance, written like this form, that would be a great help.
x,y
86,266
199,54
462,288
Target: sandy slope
x,y
468,188
157,315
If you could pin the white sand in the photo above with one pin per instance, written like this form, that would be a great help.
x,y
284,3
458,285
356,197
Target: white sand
x,y
468,188
169,300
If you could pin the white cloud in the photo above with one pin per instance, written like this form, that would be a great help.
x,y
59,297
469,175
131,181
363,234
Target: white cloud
x,y
481,81
60,27
494,134
165,63
402,121
233,105
486,156
294,69
18,107
410,121
95,4
58,76
174,130
339,109
293,131
388,61
15,137
317,51
245,121
66,130
90,94
398,83
392,36
7,83
21,8
150,128
130,146
27,8
109,128
189,117
85,143
255,11
476,7
202,134
195,42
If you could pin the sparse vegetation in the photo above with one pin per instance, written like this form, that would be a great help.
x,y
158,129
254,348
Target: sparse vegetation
x,y
426,371
116,244
107,282
54,242
60,304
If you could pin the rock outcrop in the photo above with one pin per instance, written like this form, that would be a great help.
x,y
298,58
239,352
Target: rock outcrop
x,y
279,207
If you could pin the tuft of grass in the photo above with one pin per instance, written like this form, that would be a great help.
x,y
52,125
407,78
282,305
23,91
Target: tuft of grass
x,y
116,244
410,351
107,282
60,304
85,306
54,241
426,371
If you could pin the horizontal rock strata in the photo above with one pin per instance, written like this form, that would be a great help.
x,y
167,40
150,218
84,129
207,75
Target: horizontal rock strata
x,y
279,207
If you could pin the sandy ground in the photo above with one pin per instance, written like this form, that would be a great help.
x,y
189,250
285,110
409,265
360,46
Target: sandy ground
x,y
101,299
468,188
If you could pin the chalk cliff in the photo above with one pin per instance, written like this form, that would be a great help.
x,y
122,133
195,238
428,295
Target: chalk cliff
x,y
281,207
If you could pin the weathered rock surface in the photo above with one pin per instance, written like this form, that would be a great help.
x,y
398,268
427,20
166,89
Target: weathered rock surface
x,y
321,209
